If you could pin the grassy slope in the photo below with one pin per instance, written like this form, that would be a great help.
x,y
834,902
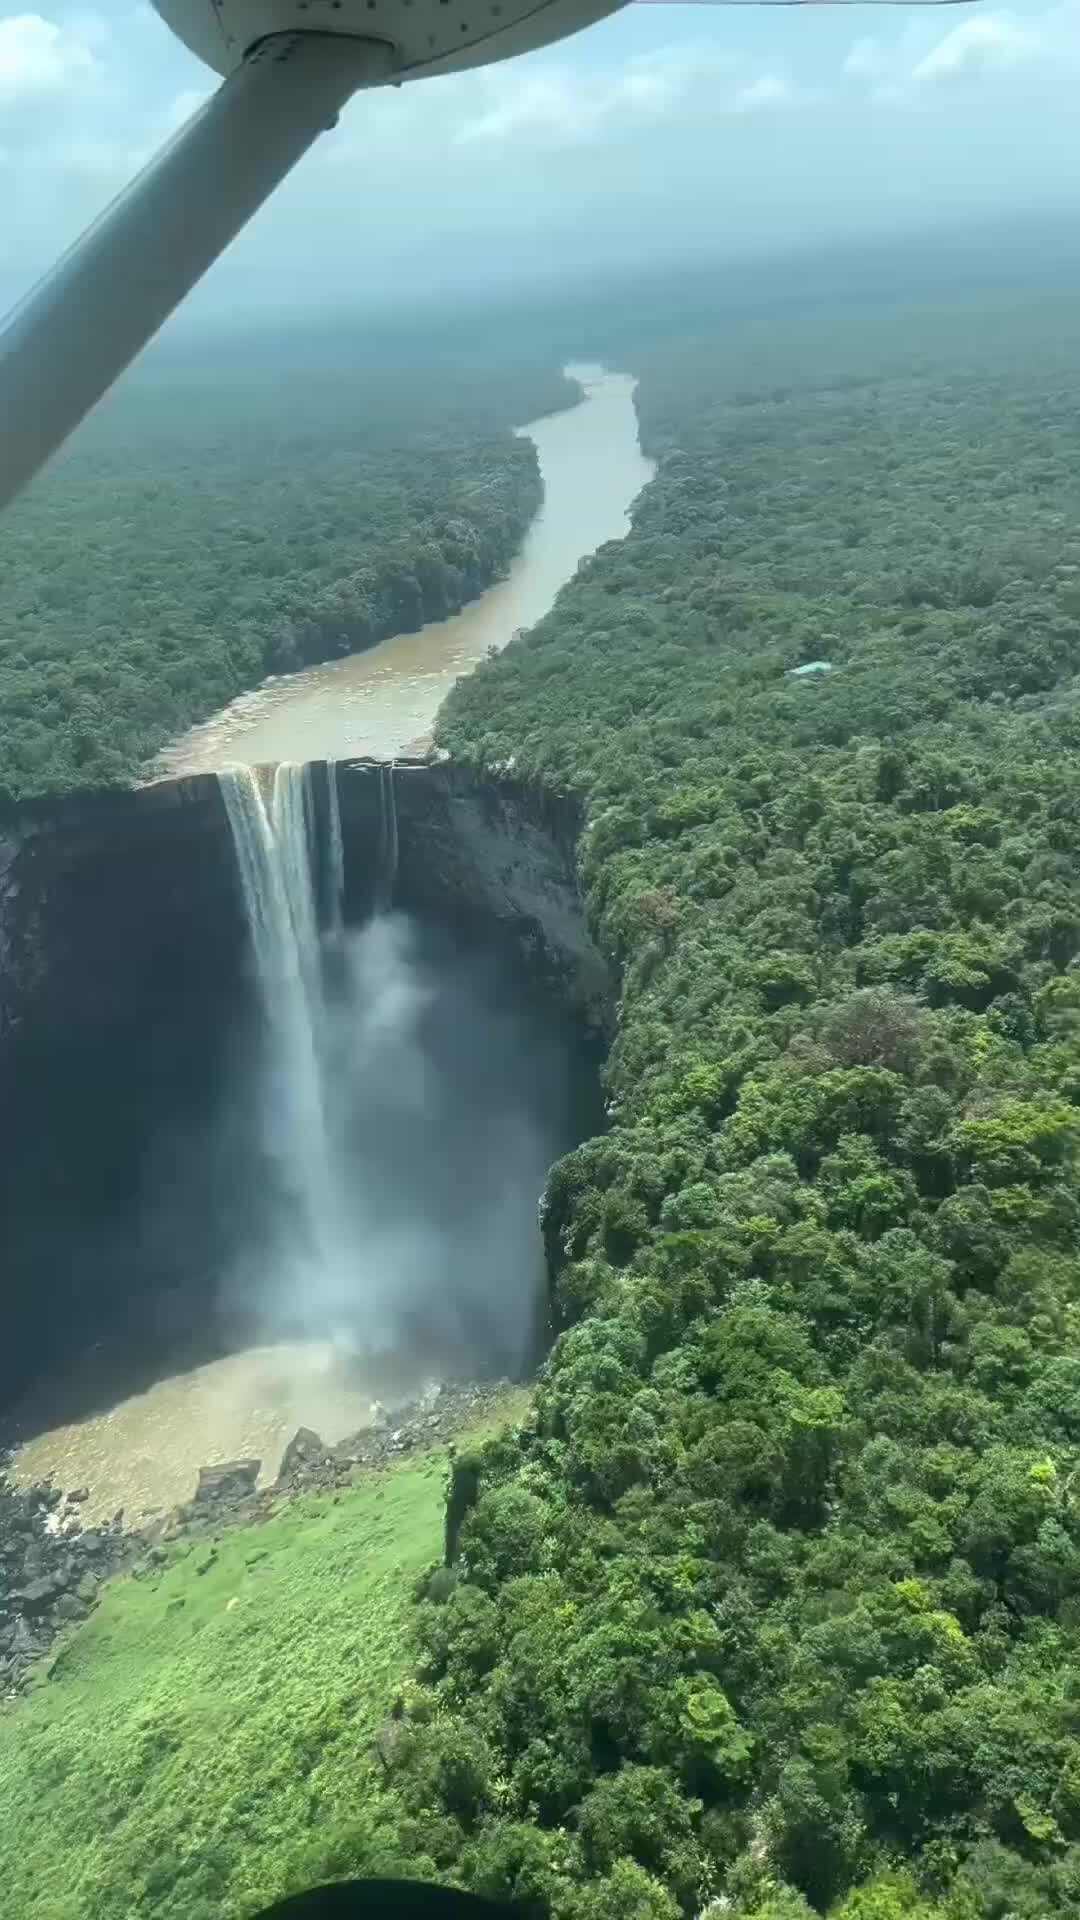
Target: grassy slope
x,y
203,1727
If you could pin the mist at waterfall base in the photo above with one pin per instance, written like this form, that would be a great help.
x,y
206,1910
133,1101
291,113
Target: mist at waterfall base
x,y
404,1102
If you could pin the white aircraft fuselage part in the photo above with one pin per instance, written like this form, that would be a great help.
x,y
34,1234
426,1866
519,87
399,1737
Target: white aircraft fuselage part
x,y
422,36
289,66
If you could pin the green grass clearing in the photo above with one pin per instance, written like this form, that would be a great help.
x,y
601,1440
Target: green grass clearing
x,y
203,1726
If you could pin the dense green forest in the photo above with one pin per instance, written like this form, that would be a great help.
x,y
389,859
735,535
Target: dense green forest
x,y
226,517
773,1604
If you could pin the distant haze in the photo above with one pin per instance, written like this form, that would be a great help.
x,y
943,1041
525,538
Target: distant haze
x,y
667,132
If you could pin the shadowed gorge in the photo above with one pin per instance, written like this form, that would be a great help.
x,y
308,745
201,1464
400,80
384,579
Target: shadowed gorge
x,y
177,1130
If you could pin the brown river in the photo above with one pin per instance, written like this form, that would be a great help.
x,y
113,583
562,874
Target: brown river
x,y
384,701
144,1451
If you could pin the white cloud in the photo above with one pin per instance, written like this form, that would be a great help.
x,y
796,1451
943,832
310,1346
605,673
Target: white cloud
x,y
547,107
562,106
767,91
606,142
866,60
986,40
649,91
39,58
908,69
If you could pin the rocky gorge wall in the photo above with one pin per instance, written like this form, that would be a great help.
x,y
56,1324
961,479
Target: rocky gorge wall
x,y
492,856
124,1000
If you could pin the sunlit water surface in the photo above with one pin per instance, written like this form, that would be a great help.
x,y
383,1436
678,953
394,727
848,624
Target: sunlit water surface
x,y
384,701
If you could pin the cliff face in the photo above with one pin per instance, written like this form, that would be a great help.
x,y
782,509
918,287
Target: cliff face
x,y
112,903
123,1002
495,857
121,958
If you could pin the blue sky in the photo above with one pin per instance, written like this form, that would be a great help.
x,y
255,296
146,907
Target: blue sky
x,y
664,131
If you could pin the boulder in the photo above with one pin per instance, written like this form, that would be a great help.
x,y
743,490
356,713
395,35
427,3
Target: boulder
x,y
38,1595
50,1575
226,1481
25,1644
304,1455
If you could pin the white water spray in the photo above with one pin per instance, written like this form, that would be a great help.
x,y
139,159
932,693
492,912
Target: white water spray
x,y
335,853
400,1120
386,878
272,824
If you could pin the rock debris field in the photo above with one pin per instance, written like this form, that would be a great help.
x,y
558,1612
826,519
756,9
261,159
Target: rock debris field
x,y
52,1568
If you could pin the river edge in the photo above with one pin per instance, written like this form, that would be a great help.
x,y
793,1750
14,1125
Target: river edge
x,y
171,761
623,388
382,702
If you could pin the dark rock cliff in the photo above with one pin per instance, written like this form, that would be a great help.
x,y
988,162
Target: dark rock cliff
x,y
121,956
109,899
494,856
123,1001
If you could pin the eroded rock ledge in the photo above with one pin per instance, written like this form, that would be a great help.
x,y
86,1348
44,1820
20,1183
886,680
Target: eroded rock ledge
x,y
109,895
123,982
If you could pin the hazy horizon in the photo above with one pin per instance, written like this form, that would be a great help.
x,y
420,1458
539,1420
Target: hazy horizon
x,y
608,316
667,135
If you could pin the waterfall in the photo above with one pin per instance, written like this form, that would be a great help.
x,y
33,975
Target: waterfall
x,y
386,877
335,852
272,823
390,1158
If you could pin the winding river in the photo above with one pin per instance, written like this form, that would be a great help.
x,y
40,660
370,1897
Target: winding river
x,y
144,1451
384,701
